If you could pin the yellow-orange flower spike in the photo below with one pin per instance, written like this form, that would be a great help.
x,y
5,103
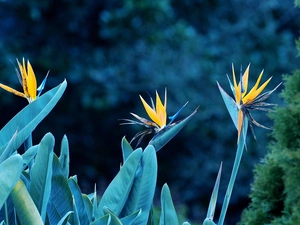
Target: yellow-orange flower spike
x,y
28,82
158,114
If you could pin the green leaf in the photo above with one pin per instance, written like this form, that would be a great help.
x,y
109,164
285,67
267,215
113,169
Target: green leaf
x,y
41,174
88,206
142,192
10,171
230,105
104,220
95,205
61,200
29,117
79,202
29,155
10,148
76,219
114,220
208,221
64,157
168,132
168,214
126,149
131,218
65,219
214,197
115,196
7,212
24,206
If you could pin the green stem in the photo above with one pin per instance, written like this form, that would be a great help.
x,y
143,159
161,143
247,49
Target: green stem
x,y
24,205
6,213
237,160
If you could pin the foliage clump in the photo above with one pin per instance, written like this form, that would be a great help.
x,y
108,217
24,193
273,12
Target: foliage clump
x,y
275,192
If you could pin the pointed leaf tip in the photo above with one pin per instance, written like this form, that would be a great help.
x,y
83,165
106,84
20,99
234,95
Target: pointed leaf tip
x,y
168,132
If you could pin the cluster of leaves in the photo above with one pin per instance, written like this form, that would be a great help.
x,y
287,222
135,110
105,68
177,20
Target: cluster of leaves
x,y
275,193
111,50
36,188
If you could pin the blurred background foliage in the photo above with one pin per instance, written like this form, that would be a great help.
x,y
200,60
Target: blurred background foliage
x,y
111,51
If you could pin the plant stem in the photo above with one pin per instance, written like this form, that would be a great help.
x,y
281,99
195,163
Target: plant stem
x,y
237,160
6,213
24,205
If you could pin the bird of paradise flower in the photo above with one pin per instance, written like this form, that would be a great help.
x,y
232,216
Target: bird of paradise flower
x,y
27,79
158,125
239,108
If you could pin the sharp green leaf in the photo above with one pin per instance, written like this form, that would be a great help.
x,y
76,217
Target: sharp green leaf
x,y
88,206
95,204
114,220
118,190
214,197
65,219
168,214
104,220
230,105
126,149
29,155
60,201
79,202
128,220
41,174
10,171
29,117
10,148
142,192
168,132
64,157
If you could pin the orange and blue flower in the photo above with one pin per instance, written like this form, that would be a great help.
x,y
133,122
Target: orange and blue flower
x,y
28,81
158,115
239,107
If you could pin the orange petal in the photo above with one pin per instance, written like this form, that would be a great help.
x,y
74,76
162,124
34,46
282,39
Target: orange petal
x,y
237,88
245,79
31,81
250,97
161,111
240,122
151,113
11,90
24,76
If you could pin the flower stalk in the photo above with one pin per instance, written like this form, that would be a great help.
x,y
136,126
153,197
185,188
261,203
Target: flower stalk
x,y
237,161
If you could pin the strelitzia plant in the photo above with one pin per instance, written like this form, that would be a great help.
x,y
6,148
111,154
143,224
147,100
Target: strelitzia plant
x,y
163,132
28,81
239,109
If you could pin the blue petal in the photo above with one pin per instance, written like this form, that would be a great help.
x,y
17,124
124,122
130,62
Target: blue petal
x,y
172,118
41,87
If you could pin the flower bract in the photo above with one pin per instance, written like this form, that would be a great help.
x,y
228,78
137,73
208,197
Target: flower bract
x,y
244,101
158,121
28,81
